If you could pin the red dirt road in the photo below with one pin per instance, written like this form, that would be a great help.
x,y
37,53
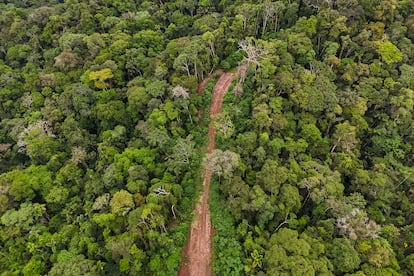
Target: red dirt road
x,y
197,253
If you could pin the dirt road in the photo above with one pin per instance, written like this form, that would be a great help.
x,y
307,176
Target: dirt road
x,y
197,254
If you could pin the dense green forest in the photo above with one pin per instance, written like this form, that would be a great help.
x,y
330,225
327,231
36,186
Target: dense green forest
x,y
101,138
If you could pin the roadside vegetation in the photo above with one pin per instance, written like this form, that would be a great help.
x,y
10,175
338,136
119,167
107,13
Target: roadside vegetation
x,y
101,136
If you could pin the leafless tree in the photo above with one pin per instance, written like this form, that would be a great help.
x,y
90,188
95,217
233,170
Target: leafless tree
x,y
160,191
356,225
222,163
181,95
254,54
180,92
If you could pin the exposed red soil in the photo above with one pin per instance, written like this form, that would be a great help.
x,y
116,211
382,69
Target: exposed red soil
x,y
197,253
220,88
203,83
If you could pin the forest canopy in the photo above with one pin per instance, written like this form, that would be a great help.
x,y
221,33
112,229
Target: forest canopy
x,y
102,134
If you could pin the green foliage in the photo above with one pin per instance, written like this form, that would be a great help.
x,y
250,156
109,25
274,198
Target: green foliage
x,y
227,250
77,265
34,267
23,218
343,255
99,77
289,254
389,52
121,203
102,135
29,182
